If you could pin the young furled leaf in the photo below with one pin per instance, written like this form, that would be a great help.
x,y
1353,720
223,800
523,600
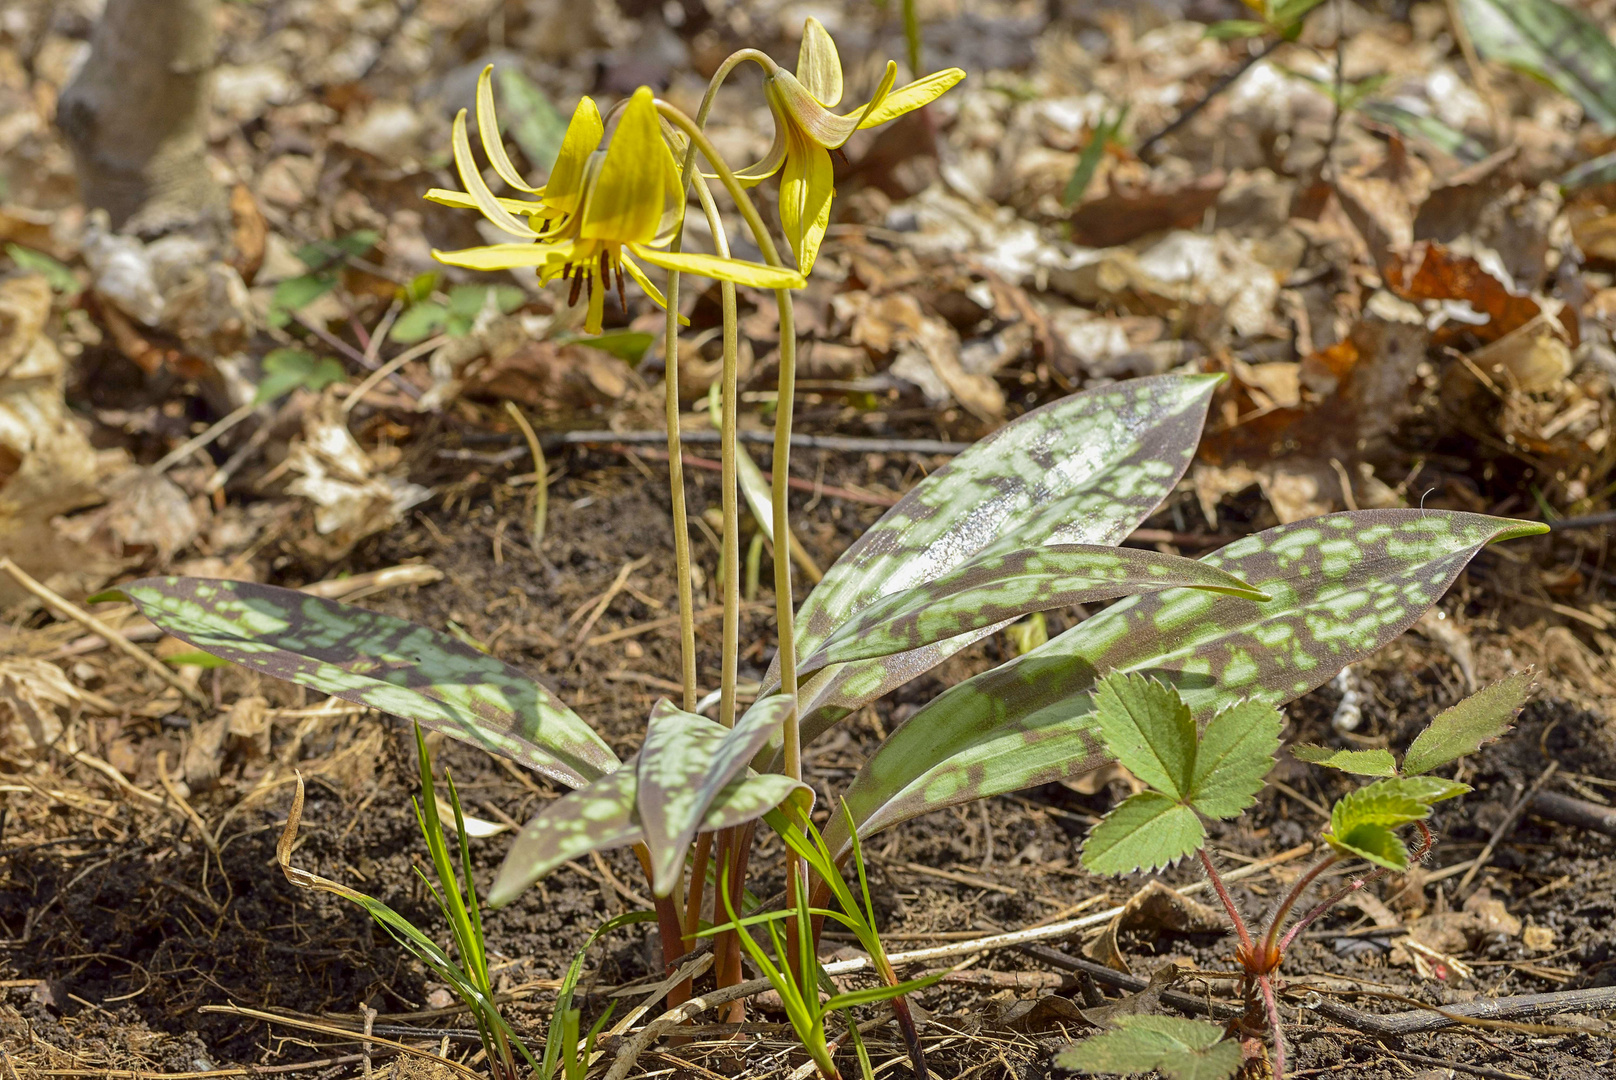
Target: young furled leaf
x,y
1176,1048
1373,843
1234,754
1149,729
1381,803
1462,729
1357,762
1145,832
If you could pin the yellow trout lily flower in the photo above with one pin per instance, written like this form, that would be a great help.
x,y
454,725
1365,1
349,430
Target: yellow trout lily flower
x,y
805,131
557,199
629,205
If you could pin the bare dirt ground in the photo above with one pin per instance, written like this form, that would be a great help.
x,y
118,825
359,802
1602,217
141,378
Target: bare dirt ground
x,y
139,896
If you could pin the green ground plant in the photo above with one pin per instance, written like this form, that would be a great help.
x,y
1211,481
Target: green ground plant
x,y
1216,771
1030,519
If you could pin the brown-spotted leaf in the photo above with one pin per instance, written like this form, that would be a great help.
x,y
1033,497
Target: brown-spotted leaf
x,y
999,585
373,659
1342,586
1083,470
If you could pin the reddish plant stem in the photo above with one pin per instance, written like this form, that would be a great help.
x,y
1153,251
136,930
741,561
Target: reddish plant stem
x,y
1216,879
740,856
1266,985
1426,840
698,888
1297,892
670,926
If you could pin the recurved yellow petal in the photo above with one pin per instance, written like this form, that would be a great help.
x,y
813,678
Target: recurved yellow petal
x,y
720,269
504,256
473,179
807,185
462,201
823,126
488,132
819,68
911,97
564,189
626,204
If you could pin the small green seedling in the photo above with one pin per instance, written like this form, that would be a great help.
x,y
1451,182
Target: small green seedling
x,y
469,979
795,971
1216,772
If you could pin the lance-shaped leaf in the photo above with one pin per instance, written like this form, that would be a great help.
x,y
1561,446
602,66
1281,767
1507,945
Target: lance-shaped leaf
x,y
605,815
1552,41
373,659
1461,729
1083,470
683,765
1357,762
1342,586
997,586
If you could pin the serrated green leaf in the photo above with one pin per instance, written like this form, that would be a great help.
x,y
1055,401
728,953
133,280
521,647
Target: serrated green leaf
x,y
373,659
1342,586
1234,754
1145,832
419,323
1178,1049
1373,843
996,587
683,765
1552,41
1357,762
1149,730
1462,728
1083,470
1384,802
296,293
467,300
287,369
1432,789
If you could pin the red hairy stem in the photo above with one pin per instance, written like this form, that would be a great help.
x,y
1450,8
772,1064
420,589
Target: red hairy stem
x,y
1426,841
671,928
1267,987
1291,898
1216,879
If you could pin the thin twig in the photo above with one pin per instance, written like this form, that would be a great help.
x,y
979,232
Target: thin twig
x,y
1223,83
390,370
796,483
192,445
96,626
1507,825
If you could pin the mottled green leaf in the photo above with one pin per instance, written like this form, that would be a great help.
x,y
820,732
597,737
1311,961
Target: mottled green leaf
x,y
1176,1048
1235,753
1552,41
373,659
1342,586
1373,843
683,765
1083,470
1149,730
998,586
1147,831
533,122
1462,729
605,815
1358,762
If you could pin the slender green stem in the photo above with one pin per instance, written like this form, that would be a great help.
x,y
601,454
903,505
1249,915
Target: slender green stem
x,y
784,609
676,489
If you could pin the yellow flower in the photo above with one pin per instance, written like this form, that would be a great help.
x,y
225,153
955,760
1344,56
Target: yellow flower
x,y
557,199
626,204
805,131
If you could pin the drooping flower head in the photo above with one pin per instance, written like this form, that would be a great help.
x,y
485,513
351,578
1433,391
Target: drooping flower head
x,y
600,211
806,130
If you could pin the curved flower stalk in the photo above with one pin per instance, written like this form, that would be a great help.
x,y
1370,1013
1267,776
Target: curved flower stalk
x,y
627,206
806,130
